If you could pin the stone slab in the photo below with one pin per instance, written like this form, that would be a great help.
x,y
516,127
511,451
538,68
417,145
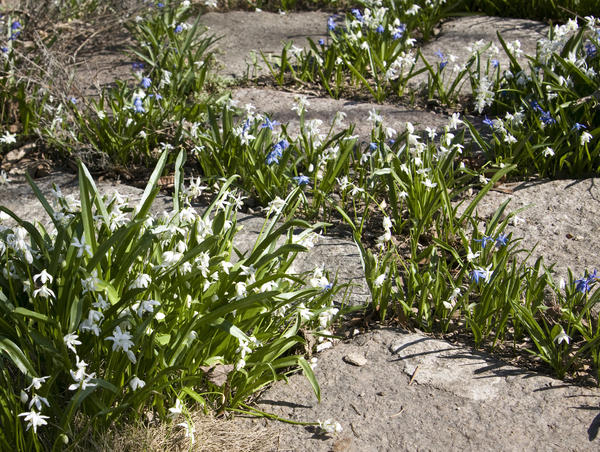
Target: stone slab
x,y
242,32
417,393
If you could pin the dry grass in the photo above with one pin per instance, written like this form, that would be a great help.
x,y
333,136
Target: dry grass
x,y
211,435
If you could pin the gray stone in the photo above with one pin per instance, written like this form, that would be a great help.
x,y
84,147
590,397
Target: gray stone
x,y
430,395
244,32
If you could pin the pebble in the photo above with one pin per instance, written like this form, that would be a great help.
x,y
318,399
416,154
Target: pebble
x,y
355,359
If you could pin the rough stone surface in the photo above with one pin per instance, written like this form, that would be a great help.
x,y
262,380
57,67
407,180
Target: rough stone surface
x,y
279,104
429,395
558,216
244,32
459,34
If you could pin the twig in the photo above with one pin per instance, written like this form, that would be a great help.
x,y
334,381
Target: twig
x,y
412,378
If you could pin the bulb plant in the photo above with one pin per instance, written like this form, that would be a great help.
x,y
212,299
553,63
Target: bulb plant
x,y
114,310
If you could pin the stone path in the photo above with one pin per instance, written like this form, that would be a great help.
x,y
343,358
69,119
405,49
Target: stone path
x,y
413,392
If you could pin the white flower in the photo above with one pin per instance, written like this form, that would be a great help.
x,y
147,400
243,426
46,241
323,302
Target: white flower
x,y
300,104
170,258
34,419
136,383
71,341
189,430
122,341
454,121
141,282
330,426
585,138
240,290
82,247
36,383
44,292
378,282
428,184
79,374
38,401
562,336
146,306
304,312
548,152
277,204
176,410
4,178
472,256
374,117
44,277
8,138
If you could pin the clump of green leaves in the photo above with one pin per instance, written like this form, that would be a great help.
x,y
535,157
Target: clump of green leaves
x,y
547,120
130,120
114,311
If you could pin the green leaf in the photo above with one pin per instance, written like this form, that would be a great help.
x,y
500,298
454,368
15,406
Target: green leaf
x,y
17,357
310,375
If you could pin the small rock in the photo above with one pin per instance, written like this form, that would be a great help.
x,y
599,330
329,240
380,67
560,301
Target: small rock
x,y
355,359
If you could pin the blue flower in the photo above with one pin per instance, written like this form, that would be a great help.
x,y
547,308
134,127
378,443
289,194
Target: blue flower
x,y
4,49
301,179
156,96
160,5
391,141
277,152
321,42
443,60
72,100
146,82
15,25
14,35
246,126
283,144
590,50
399,32
137,105
380,29
495,62
137,66
578,126
545,116
179,28
501,240
331,23
583,285
481,274
274,156
372,146
488,122
484,240
357,14
269,124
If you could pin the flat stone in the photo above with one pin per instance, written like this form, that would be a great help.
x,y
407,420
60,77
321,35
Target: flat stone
x,y
278,104
355,359
458,400
244,32
558,217
458,34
